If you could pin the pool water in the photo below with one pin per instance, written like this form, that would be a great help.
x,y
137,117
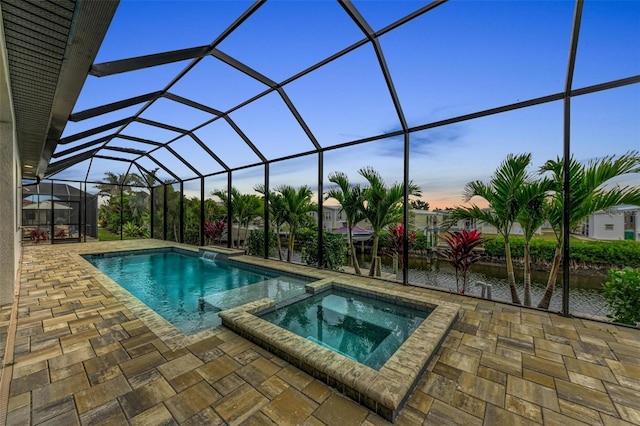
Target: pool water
x,y
188,290
364,329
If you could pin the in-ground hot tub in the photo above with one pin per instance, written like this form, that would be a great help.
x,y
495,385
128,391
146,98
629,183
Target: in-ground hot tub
x,y
383,385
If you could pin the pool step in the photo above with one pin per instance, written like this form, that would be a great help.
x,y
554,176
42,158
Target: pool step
x,y
278,289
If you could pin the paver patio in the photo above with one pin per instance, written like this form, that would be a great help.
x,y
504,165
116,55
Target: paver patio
x,y
84,354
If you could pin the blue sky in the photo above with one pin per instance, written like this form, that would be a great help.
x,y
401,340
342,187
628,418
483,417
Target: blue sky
x,y
460,58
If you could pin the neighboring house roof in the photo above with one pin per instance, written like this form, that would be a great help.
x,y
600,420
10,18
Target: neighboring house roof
x,y
619,209
60,190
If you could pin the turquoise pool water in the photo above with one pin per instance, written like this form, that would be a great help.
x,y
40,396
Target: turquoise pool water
x,y
364,329
188,290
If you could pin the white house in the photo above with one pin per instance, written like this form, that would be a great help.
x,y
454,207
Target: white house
x,y
333,217
619,223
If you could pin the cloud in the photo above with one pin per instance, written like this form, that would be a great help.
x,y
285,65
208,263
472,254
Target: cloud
x,y
424,143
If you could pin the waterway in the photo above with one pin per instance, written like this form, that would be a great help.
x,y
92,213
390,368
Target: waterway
x,y
585,291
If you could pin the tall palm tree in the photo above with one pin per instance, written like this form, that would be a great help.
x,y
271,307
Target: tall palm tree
x,y
137,203
503,193
350,198
213,210
531,216
588,193
229,205
244,208
249,207
277,213
110,184
296,205
382,205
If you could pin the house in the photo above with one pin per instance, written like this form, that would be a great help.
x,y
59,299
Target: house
x,y
619,223
333,217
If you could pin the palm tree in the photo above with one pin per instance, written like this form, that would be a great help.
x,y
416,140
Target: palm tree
x,y
111,182
382,205
588,193
229,205
531,216
248,206
213,210
503,193
295,205
172,208
137,203
243,208
350,198
277,213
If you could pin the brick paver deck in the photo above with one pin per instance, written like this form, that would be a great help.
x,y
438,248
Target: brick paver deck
x,y
81,355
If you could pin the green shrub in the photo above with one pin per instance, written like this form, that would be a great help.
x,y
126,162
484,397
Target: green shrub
x,y
192,235
421,242
622,294
130,229
304,235
384,243
495,247
334,247
255,242
621,253
114,223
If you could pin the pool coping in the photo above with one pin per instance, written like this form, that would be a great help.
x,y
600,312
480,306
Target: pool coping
x,y
383,391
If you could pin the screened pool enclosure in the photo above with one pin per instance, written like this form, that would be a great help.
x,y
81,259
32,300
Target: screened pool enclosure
x,y
188,105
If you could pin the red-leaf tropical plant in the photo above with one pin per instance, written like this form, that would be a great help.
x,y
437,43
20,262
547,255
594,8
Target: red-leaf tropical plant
x,y
214,230
38,235
461,253
395,240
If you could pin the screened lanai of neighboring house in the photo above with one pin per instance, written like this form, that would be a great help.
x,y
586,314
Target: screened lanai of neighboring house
x,y
161,107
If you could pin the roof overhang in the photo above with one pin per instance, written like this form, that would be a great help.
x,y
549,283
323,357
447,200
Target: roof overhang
x,y
50,49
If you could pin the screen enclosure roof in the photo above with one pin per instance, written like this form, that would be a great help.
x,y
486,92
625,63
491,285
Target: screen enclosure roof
x,y
180,90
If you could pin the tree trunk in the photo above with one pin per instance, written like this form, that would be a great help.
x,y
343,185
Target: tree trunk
x,y
290,244
238,241
510,275
374,253
246,234
354,258
527,274
278,242
553,276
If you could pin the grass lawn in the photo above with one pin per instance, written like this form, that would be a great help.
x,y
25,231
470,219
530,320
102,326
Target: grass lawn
x,y
545,236
106,235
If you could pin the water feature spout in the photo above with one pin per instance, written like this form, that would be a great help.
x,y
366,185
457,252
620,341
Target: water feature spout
x,y
208,255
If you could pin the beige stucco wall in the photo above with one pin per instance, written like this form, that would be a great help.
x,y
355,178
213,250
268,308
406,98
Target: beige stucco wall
x,y
10,178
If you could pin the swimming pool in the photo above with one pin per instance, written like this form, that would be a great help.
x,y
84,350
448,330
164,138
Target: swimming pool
x,y
364,329
188,289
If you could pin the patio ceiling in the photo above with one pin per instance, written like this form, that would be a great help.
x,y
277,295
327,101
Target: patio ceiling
x,y
50,46
214,107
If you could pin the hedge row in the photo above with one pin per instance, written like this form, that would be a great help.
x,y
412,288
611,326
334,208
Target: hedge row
x,y
621,253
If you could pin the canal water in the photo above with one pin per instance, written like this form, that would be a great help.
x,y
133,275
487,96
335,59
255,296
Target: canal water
x,y
585,294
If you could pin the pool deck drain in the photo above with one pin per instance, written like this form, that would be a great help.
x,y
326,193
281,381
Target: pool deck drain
x,y
81,356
